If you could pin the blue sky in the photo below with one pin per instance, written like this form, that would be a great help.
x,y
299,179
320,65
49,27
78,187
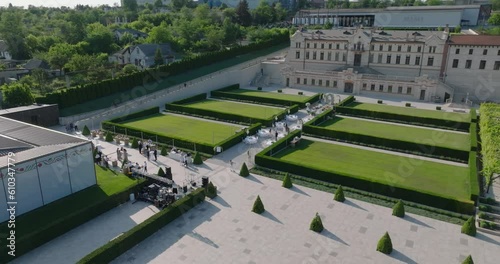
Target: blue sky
x,y
57,3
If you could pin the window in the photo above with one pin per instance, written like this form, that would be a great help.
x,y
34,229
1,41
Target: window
x,y
329,56
297,55
381,47
372,47
468,63
430,49
345,46
408,90
400,89
322,46
407,60
307,55
321,56
330,46
372,87
336,56
334,83
498,53
364,86
434,49
430,61
305,80
343,57
419,49
399,47
313,82
298,80
381,88
379,58
308,45
315,45
482,65
314,55
417,60
390,47
455,63
320,82
496,66
471,51
388,60
398,59
338,46
485,52
389,88
371,58
297,44
327,83
457,51
408,49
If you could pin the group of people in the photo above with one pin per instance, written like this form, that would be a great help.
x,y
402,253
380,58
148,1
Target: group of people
x,y
121,153
131,166
71,127
146,149
101,159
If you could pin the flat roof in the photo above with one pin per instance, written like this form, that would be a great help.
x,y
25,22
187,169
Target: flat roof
x,y
24,108
477,40
392,8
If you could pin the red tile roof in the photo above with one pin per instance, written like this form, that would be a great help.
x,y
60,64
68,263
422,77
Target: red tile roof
x,y
477,40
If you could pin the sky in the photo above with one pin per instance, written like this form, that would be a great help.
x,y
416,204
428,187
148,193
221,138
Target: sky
x,y
58,3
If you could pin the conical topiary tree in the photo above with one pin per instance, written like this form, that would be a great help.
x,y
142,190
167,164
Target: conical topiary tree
x,y
211,190
316,224
197,159
86,131
244,170
258,206
135,143
163,151
468,260
469,227
399,209
161,173
339,195
287,181
385,244
109,137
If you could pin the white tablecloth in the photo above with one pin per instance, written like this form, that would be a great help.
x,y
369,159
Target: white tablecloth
x,y
292,117
178,157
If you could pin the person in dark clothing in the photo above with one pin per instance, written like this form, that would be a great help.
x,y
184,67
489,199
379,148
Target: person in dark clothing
x,y
147,154
140,147
155,153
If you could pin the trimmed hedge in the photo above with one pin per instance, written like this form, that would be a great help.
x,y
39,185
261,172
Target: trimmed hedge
x,y
473,136
86,131
244,170
192,99
473,176
197,159
468,260
211,191
408,104
339,195
469,227
137,234
384,245
378,142
424,121
316,224
380,102
143,113
287,181
347,100
473,115
399,209
28,242
227,94
280,144
258,206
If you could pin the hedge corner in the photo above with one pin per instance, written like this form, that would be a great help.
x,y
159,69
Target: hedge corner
x,y
316,224
468,260
244,170
287,181
109,137
339,195
86,131
399,209
469,227
384,245
197,159
211,191
258,206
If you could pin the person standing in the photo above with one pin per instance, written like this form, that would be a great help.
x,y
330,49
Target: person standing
x,y
147,153
118,154
145,166
155,153
140,147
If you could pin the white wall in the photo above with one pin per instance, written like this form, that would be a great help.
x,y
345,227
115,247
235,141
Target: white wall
x,y
81,167
417,19
28,194
4,215
54,177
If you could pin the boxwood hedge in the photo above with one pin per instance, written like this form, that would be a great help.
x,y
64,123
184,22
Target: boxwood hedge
x,y
474,181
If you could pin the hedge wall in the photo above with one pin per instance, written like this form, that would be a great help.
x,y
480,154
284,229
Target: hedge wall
x,y
143,113
139,233
320,118
192,99
230,87
434,200
474,181
83,93
473,115
387,143
280,144
28,242
226,94
473,136
432,122
347,101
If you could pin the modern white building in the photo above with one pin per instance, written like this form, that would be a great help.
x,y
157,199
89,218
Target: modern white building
x,y
48,165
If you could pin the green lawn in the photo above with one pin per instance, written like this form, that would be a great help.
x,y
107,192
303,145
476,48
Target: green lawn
x,y
411,111
243,109
425,176
289,97
108,183
108,101
399,132
176,126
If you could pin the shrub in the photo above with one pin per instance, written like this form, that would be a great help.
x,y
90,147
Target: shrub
x,y
197,159
408,104
438,107
109,137
485,208
161,173
211,190
280,91
163,151
244,170
135,143
259,88
86,131
316,224
339,195
468,260
287,181
258,206
301,93
385,244
399,209
380,101
469,227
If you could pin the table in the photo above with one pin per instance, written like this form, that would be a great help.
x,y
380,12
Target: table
x,y
178,157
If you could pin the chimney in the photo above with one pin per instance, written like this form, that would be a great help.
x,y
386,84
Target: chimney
x,y
446,29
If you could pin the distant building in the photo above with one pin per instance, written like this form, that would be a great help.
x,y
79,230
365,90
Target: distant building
x,y
135,33
4,51
143,55
121,57
36,114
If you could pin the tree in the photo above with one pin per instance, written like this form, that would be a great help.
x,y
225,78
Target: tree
x,y
339,195
129,68
100,38
494,19
384,245
158,4
495,4
158,58
83,62
130,5
242,13
399,209
211,191
60,54
433,2
469,227
287,181
86,131
160,34
161,173
244,170
280,12
16,94
197,159
13,32
316,224
458,29
231,31
258,206
263,14
468,260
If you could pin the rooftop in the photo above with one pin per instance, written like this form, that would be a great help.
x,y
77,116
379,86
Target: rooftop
x,y
37,64
23,108
478,40
344,34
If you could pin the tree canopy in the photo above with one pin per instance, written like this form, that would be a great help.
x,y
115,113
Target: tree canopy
x,y
16,94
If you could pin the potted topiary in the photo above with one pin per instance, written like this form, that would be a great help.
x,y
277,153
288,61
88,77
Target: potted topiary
x,y
135,143
258,206
211,191
408,104
287,181
380,101
316,224
468,260
244,170
301,93
197,159
469,227
280,91
259,88
399,209
339,195
438,107
109,137
161,173
86,131
163,151
385,244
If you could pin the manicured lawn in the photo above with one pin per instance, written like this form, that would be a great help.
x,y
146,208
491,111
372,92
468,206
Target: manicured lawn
x,y
247,110
262,94
399,132
176,126
425,176
411,111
